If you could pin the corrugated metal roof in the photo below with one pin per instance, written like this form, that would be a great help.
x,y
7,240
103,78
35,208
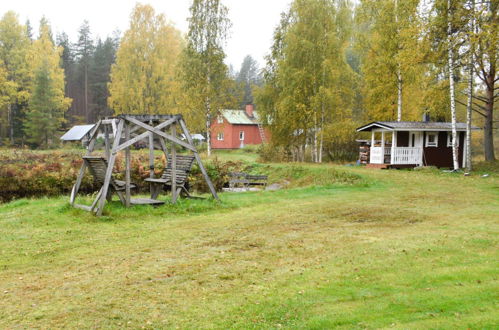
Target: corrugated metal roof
x,y
240,117
76,133
413,125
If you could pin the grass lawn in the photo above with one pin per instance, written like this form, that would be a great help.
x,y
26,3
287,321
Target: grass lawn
x,y
370,249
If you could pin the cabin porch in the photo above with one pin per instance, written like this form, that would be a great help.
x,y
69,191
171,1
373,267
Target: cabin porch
x,y
386,150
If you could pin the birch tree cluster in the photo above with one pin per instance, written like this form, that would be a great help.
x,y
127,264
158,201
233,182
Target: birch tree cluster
x,y
334,66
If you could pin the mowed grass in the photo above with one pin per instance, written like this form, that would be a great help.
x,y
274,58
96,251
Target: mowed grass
x,y
370,249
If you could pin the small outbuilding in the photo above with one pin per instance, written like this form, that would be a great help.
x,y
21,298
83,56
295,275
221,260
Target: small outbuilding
x,y
400,144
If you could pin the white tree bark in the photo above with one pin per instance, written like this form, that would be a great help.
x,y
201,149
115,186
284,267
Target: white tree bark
x,y
399,74
399,90
208,127
321,141
450,54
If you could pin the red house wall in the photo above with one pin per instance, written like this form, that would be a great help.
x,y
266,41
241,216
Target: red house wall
x,y
231,135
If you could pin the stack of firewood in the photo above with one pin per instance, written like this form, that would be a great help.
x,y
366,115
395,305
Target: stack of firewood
x,y
364,154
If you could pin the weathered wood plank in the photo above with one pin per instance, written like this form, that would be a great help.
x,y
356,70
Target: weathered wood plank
x,y
198,159
127,166
158,132
143,135
91,147
173,131
109,170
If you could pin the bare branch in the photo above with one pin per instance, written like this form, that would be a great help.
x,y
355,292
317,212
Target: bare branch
x,y
480,98
480,113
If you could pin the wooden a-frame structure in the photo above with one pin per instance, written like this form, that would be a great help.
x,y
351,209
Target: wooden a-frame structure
x,y
128,130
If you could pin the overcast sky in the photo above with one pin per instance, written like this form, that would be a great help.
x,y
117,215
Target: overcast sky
x,y
253,21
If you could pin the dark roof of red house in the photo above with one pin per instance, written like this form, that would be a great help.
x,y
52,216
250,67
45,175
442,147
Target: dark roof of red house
x,y
412,126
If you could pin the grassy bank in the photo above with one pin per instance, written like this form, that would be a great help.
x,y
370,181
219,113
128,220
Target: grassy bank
x,y
402,249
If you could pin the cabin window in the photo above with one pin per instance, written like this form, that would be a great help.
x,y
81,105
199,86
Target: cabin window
x,y
241,135
432,139
449,139
220,136
220,119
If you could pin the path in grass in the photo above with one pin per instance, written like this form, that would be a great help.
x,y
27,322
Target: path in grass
x,y
408,250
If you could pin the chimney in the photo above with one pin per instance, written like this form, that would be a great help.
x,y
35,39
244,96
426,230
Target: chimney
x,y
426,117
249,110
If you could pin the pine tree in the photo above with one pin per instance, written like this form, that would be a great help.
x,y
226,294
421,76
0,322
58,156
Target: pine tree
x,y
68,64
203,74
100,71
47,102
142,79
84,49
247,78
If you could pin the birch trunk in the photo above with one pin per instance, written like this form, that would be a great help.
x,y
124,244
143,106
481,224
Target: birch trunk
x,y
399,74
399,90
10,121
315,151
321,142
450,54
468,114
208,134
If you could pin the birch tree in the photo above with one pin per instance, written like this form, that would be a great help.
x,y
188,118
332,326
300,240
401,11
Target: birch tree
x,y
388,39
203,73
307,79
14,46
142,79
450,59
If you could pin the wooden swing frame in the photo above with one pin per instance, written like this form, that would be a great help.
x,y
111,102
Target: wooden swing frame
x,y
125,129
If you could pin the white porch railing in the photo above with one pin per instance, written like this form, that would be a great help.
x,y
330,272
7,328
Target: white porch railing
x,y
377,156
401,155
407,155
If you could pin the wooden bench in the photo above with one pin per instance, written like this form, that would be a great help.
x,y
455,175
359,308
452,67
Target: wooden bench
x,y
245,180
98,166
183,167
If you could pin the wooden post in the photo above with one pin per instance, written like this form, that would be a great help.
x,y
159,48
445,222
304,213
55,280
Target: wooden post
x,y
198,159
127,166
394,146
151,156
106,141
373,133
173,132
382,147
110,166
91,146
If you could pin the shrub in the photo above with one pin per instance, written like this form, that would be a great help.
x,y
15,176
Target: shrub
x,y
33,174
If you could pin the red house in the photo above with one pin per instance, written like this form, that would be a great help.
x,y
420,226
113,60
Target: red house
x,y
233,129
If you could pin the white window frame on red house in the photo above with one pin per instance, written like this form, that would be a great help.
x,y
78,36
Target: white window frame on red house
x,y
449,139
220,136
241,135
220,119
435,142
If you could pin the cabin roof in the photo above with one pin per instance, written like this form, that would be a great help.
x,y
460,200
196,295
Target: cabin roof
x,y
412,126
240,117
76,133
